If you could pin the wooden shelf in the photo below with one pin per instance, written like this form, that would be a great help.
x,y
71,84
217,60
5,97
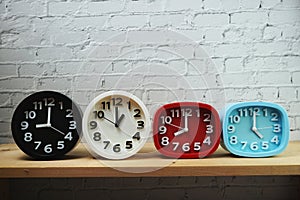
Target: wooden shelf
x,y
147,163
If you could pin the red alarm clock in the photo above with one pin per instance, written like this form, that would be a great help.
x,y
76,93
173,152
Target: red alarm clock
x,y
186,130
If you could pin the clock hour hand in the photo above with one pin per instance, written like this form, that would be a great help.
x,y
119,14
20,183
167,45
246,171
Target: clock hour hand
x,y
117,124
42,126
179,132
48,124
254,128
185,129
117,118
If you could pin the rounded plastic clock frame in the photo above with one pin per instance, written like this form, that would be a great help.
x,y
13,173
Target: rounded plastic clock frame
x,y
186,130
255,131
122,129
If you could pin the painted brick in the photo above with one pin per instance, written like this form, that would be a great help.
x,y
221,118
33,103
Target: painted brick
x,y
211,20
144,6
36,69
249,18
214,35
130,21
8,70
54,83
66,8
6,114
274,77
173,5
87,23
288,94
296,78
234,65
34,8
271,3
254,4
105,7
274,48
230,4
232,50
16,84
282,17
271,33
15,55
167,20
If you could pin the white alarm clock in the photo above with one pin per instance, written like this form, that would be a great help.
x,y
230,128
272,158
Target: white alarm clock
x,y
116,125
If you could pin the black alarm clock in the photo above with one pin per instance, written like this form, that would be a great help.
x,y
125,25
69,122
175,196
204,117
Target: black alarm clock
x,y
46,125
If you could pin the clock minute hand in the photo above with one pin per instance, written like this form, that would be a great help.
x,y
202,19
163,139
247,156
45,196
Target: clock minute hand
x,y
49,116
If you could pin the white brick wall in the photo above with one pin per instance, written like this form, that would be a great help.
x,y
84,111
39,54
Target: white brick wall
x,y
69,45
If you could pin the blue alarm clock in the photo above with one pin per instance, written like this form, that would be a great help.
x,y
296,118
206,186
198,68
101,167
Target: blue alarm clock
x,y
255,129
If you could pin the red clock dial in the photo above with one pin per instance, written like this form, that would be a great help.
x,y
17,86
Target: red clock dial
x,y
186,130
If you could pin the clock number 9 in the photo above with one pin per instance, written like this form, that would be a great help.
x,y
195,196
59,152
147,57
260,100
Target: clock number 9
x,y
24,125
93,124
231,129
162,130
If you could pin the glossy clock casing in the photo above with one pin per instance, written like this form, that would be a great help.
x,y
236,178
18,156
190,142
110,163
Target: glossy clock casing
x,y
56,114
196,133
112,134
263,128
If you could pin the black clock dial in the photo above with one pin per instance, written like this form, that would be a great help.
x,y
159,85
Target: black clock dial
x,y
46,125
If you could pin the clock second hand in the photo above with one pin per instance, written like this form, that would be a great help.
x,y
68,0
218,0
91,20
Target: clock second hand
x,y
57,130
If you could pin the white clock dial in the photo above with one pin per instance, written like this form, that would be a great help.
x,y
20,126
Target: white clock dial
x,y
116,125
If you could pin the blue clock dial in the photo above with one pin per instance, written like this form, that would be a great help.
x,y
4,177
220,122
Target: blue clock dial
x,y
255,129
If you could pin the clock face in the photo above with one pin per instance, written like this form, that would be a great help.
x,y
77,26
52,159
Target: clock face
x,y
46,125
186,130
116,125
255,129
